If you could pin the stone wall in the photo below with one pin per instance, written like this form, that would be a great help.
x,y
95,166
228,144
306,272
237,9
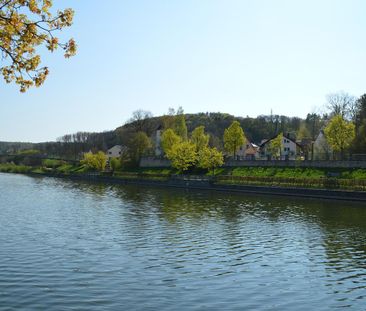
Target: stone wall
x,y
154,162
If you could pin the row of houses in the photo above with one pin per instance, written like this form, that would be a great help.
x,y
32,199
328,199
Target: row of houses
x,y
291,149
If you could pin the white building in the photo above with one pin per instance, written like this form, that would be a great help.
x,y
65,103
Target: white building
x,y
116,151
290,150
322,150
158,148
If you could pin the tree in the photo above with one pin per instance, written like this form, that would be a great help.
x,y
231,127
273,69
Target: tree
x,y
360,124
138,145
26,25
180,126
183,155
233,138
275,146
342,103
210,158
339,133
199,138
115,164
95,161
169,139
140,121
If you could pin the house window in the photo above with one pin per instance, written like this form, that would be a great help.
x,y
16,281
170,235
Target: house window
x,y
119,152
109,152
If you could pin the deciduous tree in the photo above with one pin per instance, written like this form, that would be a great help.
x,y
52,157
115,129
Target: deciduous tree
x,y
199,138
210,158
138,145
339,133
169,139
183,155
233,138
95,161
26,25
275,146
180,126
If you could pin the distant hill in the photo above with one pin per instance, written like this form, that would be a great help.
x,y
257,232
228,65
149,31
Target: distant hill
x,y
71,145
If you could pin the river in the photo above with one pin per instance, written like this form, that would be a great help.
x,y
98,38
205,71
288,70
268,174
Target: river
x,y
68,245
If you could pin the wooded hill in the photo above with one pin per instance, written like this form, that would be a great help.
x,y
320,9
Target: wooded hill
x,y
255,129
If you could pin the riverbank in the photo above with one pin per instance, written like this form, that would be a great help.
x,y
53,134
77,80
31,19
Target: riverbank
x,y
198,183
339,184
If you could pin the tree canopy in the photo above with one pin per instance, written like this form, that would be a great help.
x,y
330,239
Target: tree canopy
x,y
25,25
210,158
95,161
339,133
199,138
169,139
275,146
183,155
233,137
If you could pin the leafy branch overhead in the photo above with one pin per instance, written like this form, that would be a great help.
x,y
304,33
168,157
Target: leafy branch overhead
x,y
26,25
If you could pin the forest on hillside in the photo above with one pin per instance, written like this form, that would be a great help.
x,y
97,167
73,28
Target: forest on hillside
x,y
256,129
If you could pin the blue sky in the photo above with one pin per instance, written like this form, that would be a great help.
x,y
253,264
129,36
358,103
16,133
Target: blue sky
x,y
236,56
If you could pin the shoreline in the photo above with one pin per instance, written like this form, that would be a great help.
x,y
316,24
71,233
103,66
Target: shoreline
x,y
328,194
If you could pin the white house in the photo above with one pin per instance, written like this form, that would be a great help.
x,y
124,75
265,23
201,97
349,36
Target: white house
x,y
290,149
116,151
322,150
158,148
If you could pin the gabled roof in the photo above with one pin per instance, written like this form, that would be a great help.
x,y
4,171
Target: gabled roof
x,y
285,136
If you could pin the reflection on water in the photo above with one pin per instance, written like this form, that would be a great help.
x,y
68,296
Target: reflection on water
x,y
88,246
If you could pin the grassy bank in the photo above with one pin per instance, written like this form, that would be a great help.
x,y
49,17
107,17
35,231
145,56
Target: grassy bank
x,y
347,179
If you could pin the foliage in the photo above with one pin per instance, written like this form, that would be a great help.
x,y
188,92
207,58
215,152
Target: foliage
x,y
51,163
95,161
138,145
180,127
199,138
233,137
115,164
26,25
169,139
339,133
13,168
210,158
183,155
140,121
29,152
275,146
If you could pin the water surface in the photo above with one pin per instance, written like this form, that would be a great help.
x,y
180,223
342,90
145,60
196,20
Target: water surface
x,y
68,245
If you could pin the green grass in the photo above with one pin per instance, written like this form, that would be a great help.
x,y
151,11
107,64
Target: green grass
x,y
13,168
52,163
278,172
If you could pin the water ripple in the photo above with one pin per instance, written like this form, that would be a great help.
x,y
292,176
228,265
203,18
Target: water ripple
x,y
80,246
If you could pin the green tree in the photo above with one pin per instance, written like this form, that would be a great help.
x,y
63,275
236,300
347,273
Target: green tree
x,y
138,145
210,158
115,164
26,25
360,139
233,138
169,139
339,133
183,155
199,138
180,127
275,146
95,161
